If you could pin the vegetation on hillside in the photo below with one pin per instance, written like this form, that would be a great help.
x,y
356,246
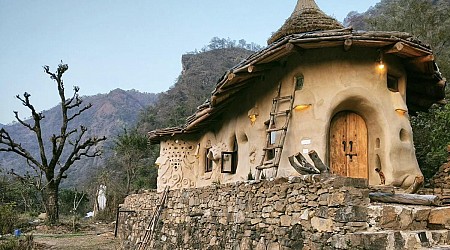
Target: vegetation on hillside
x,y
429,21
201,72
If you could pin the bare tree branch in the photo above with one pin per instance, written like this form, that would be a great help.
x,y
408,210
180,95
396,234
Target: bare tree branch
x,y
52,172
80,111
16,114
11,146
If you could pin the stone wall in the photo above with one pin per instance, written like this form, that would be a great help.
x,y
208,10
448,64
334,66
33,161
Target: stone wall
x,y
307,212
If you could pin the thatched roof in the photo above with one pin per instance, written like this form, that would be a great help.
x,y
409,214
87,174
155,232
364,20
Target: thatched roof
x,y
306,17
425,84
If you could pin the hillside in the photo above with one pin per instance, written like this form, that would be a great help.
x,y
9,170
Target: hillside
x,y
201,72
113,112
109,115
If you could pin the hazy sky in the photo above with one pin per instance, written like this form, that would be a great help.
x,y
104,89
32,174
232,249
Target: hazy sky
x,y
112,44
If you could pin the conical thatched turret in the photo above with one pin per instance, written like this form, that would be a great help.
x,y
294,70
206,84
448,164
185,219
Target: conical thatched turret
x,y
306,17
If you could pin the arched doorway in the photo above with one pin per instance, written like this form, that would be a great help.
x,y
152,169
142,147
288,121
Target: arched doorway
x,y
348,145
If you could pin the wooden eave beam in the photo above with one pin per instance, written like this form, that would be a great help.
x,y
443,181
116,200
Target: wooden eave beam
x,y
348,44
405,50
429,89
263,67
419,100
421,59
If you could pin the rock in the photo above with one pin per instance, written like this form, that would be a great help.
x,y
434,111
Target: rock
x,y
240,217
261,244
336,199
389,218
285,221
42,216
439,217
352,213
305,215
405,219
246,244
322,212
322,225
421,214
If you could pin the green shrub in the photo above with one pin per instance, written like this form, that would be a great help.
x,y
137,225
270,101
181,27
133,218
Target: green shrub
x,y
8,218
22,243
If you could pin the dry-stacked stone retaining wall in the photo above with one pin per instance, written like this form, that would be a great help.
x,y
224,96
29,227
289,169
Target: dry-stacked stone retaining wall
x,y
307,212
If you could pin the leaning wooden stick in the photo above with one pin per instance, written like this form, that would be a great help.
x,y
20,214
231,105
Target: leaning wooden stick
x,y
302,167
417,184
318,163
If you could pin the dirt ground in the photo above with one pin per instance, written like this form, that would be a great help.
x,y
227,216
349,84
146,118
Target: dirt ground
x,y
95,236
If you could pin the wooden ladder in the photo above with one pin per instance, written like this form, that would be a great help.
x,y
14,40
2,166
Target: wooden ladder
x,y
150,230
274,130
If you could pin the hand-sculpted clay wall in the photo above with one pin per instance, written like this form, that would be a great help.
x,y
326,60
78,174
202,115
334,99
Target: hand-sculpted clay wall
x,y
177,164
306,212
334,81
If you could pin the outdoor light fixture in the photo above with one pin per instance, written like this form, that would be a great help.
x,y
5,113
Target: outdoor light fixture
x,y
253,114
381,65
398,103
301,107
252,118
401,111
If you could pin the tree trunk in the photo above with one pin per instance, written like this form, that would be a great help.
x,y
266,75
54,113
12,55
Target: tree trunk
x,y
51,203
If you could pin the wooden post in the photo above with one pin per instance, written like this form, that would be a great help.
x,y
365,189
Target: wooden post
x,y
412,199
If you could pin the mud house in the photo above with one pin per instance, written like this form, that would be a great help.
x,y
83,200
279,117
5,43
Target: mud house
x,y
318,86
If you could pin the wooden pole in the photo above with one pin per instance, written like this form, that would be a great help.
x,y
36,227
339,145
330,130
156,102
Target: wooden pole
x,y
412,199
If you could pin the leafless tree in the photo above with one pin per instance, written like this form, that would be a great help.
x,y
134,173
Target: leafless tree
x,y
47,172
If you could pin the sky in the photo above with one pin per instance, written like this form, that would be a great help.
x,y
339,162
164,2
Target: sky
x,y
111,44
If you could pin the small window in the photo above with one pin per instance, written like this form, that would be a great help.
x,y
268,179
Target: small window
x,y
208,162
230,159
392,83
229,162
299,82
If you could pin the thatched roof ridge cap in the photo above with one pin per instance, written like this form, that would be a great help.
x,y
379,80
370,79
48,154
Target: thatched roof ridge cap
x,y
306,17
303,5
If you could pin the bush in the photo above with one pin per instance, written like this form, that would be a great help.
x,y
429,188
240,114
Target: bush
x,y
8,218
23,243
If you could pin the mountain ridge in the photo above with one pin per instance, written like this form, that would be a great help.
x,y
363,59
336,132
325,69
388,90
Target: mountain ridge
x,y
109,115
120,109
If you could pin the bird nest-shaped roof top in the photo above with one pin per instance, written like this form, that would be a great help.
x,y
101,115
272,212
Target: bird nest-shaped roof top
x,y
306,17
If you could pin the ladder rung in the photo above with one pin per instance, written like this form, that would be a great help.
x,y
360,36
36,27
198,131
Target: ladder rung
x,y
266,166
273,147
284,112
282,98
276,129
268,162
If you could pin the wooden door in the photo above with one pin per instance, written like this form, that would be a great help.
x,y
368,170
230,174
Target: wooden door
x,y
348,145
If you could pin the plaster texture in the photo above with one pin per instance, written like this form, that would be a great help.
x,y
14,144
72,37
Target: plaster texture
x,y
334,81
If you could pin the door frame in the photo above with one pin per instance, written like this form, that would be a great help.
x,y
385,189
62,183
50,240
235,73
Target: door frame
x,y
367,140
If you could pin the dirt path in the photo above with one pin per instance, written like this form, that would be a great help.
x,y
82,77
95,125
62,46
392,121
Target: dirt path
x,y
98,236
104,241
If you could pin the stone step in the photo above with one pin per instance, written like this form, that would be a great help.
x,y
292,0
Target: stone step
x,y
408,217
446,247
392,239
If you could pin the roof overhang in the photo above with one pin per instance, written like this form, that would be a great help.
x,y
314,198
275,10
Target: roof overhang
x,y
425,83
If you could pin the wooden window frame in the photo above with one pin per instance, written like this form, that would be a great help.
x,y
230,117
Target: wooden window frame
x,y
233,156
392,77
208,162
299,82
